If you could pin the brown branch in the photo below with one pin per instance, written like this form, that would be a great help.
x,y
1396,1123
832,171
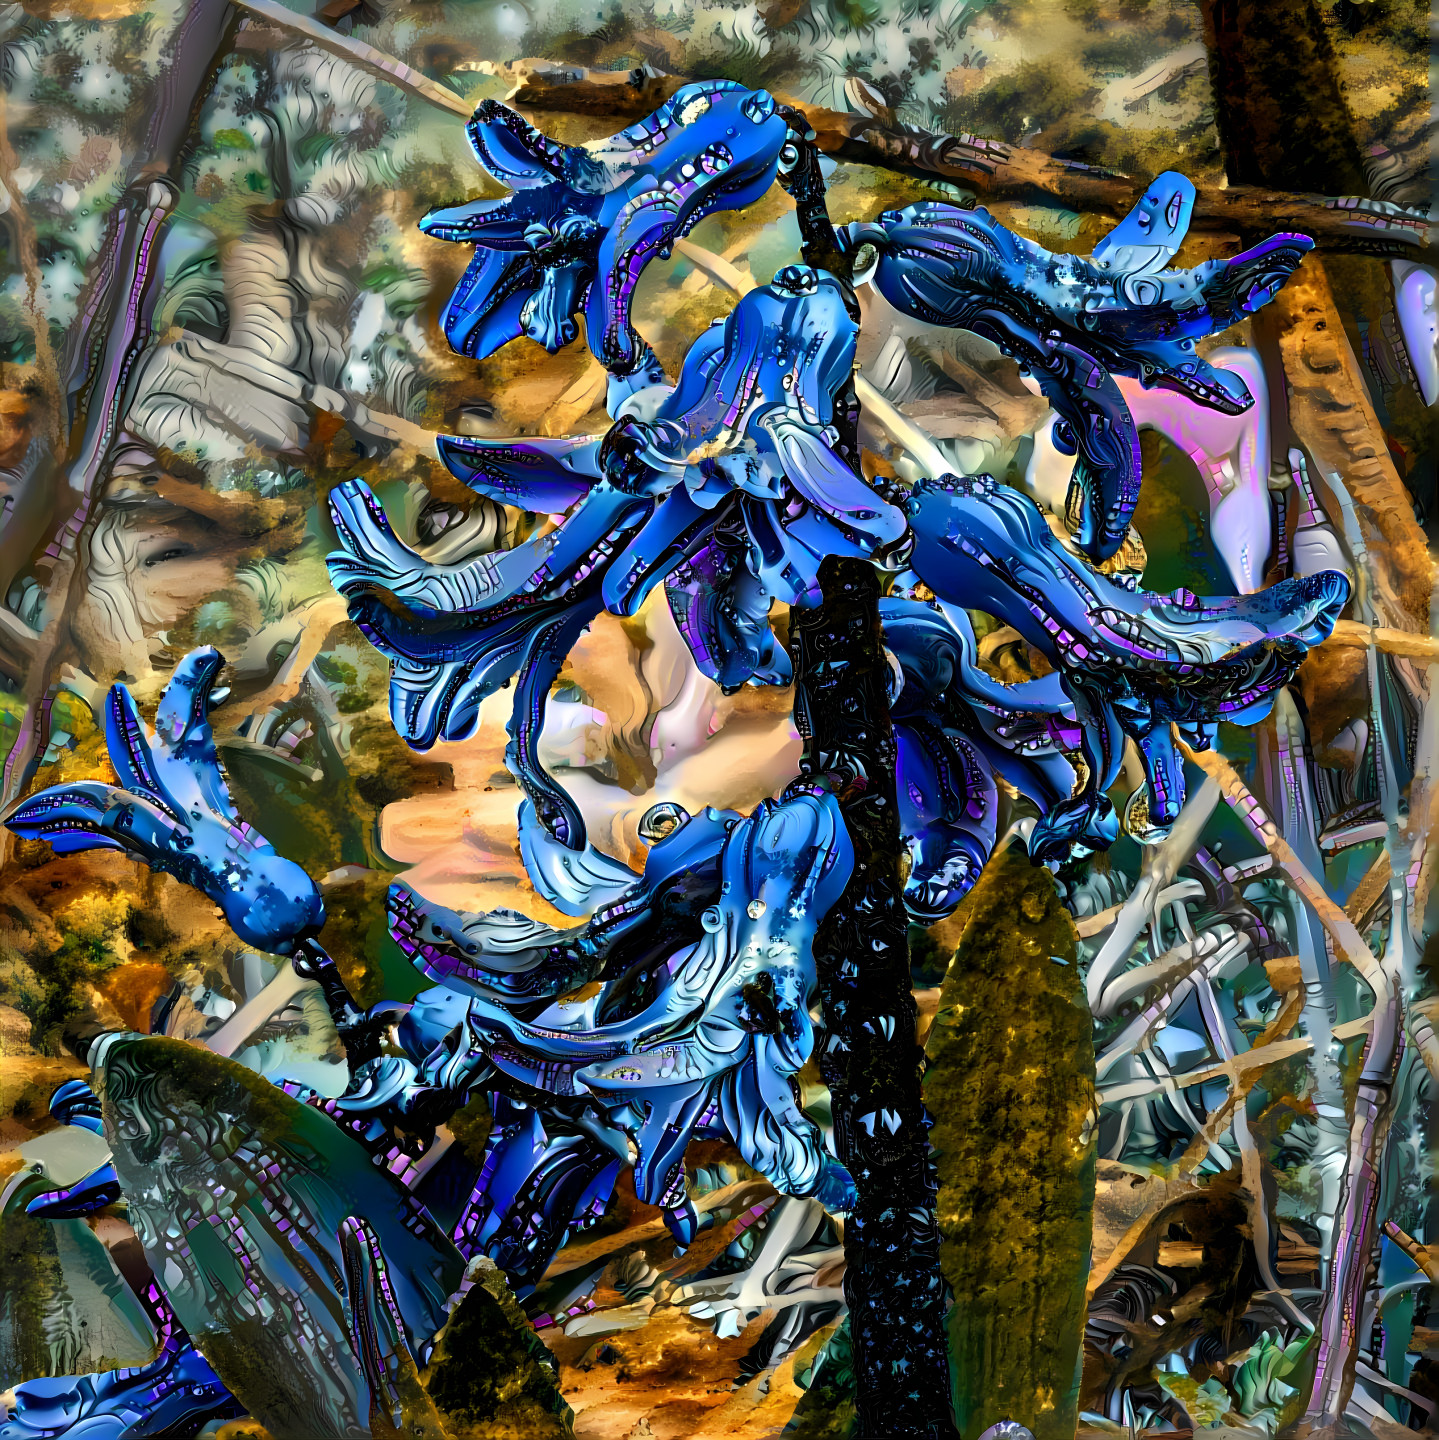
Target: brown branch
x,y
1371,889
119,310
364,57
1242,1072
548,85
1333,418
734,1198
992,169
1349,944
1407,643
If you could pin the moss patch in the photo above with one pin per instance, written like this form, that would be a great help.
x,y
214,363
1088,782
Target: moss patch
x,y
1010,1085
218,1086
489,1377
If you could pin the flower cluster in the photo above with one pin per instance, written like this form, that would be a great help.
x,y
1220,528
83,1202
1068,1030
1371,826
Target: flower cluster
x,y
1077,322
729,488
584,221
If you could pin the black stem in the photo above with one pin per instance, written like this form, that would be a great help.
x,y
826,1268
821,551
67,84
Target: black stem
x,y
871,1060
360,1033
803,181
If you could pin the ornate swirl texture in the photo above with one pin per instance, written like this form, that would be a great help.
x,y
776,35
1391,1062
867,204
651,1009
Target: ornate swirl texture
x,y
584,221
1076,323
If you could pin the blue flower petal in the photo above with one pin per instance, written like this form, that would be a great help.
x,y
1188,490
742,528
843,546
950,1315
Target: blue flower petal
x,y
496,224
1148,237
543,475
180,819
513,151
487,309
822,478
661,543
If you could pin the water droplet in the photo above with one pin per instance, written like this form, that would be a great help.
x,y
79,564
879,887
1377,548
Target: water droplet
x,y
755,909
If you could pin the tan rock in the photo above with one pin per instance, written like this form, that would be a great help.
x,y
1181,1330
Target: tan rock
x,y
14,1032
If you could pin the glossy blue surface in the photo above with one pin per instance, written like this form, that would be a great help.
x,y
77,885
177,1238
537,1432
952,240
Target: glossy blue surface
x,y
1076,322
172,810
584,221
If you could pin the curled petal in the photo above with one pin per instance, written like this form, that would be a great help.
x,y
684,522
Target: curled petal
x,y
432,702
1146,239
822,478
651,220
490,224
1121,310
455,633
179,818
1164,774
542,475
90,815
444,665
486,310
500,954
1240,285
539,668
92,1192
948,806
722,610
1131,662
513,151
373,557
548,313
1097,426
790,342
662,542
585,221
575,882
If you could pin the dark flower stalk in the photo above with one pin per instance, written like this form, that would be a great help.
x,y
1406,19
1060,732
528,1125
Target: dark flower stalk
x,y
870,1062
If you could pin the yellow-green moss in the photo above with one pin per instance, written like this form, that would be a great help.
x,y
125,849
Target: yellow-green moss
x,y
1011,1088
487,1377
471,1126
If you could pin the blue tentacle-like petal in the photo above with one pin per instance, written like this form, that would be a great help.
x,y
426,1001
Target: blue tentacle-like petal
x,y
514,152
584,222
546,476
178,817
1075,322
539,667
487,309
1130,661
1148,237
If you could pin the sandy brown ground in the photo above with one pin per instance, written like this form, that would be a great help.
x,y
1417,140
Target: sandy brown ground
x,y
673,1376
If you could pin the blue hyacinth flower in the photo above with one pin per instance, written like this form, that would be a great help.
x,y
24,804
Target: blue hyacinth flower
x,y
955,730
172,810
584,221
1076,322
700,1019
1132,663
727,489
737,489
